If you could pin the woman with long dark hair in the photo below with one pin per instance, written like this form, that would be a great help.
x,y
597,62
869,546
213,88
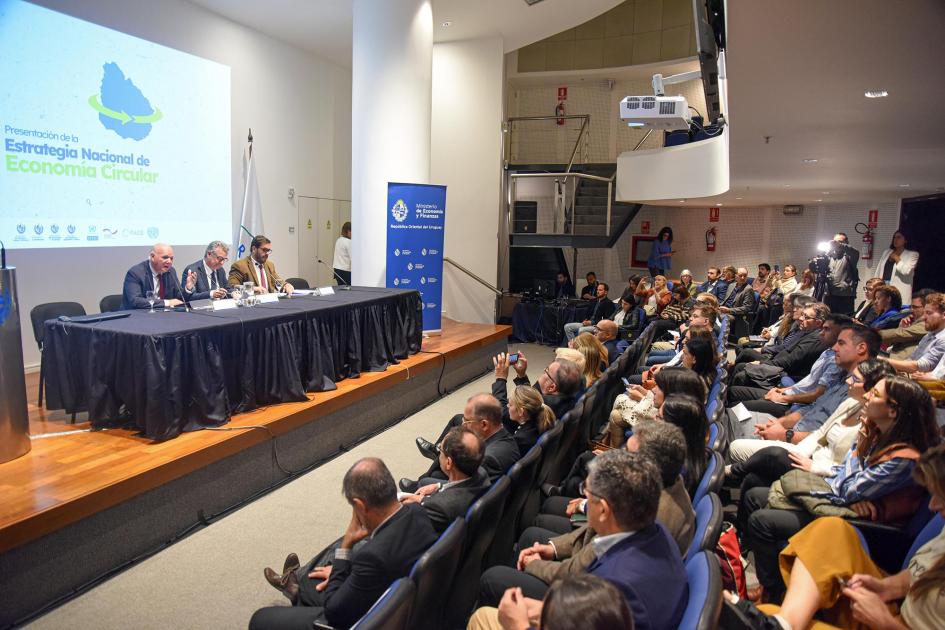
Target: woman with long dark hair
x,y
660,260
897,264
829,574
874,480
699,355
688,413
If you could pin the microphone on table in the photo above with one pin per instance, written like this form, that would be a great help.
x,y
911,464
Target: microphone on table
x,y
182,294
342,285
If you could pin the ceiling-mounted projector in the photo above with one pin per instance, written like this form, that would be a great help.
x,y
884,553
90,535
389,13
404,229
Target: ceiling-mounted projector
x,y
668,113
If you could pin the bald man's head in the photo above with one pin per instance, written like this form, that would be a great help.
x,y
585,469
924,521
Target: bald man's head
x,y
606,330
161,258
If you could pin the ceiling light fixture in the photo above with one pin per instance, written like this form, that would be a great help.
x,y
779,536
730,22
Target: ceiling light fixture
x,y
446,24
876,94
825,192
787,185
739,197
682,201
809,160
904,185
818,199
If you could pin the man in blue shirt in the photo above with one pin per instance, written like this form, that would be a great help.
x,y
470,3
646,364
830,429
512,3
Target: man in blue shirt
x,y
855,344
824,373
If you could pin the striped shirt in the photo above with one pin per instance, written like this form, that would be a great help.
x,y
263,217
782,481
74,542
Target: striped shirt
x,y
852,482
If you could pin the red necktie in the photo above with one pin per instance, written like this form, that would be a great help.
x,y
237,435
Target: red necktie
x,y
261,271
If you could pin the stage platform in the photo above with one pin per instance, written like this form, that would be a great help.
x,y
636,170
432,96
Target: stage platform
x,y
83,503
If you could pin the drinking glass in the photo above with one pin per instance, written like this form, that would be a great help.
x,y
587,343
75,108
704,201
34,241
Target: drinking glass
x,y
151,299
236,294
279,282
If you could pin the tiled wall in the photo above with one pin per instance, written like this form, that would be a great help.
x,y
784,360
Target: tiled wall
x,y
745,237
632,33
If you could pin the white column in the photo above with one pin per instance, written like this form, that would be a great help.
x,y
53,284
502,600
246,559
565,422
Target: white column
x,y
390,119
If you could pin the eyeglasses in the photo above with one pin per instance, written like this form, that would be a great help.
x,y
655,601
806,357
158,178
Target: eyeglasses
x,y
220,258
266,250
468,420
588,494
548,374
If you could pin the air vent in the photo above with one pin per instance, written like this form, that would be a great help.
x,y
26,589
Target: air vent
x,y
793,210
649,102
667,108
633,102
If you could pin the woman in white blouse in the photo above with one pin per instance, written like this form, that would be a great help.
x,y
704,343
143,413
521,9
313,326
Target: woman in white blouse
x,y
897,265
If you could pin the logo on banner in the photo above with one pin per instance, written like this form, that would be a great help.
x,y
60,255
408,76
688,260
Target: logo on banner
x,y
409,266
396,252
396,282
423,280
423,252
399,211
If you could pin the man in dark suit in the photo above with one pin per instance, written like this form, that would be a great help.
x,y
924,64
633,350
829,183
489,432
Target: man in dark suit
x,y
482,414
607,335
632,551
461,454
603,308
713,283
394,536
211,282
156,274
740,296
257,268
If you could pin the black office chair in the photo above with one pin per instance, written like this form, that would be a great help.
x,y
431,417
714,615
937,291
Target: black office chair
x,y
522,476
109,303
392,610
482,519
38,317
433,574
298,283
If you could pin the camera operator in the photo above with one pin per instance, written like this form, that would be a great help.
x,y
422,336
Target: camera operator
x,y
840,276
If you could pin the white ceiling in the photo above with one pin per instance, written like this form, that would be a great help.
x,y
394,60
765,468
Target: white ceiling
x,y
323,27
797,71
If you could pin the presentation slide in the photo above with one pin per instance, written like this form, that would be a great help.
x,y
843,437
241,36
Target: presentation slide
x,y
108,139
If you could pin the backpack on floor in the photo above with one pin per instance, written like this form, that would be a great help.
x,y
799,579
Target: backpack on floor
x,y
730,561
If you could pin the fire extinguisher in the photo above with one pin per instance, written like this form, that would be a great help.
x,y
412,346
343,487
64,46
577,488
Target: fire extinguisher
x,y
867,253
559,111
710,240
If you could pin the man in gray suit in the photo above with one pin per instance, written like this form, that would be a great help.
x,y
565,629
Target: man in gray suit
x,y
211,282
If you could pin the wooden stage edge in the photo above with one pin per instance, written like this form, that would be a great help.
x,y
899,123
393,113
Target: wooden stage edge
x,y
68,477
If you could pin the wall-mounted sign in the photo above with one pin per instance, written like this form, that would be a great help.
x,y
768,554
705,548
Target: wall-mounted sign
x,y
645,227
563,93
713,214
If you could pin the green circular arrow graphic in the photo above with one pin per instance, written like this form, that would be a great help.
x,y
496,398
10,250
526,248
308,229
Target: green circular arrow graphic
x,y
124,117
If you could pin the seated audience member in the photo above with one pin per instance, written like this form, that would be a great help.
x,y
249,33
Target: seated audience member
x,y
607,335
578,601
210,281
630,320
483,414
902,340
820,451
525,416
461,453
713,283
595,356
864,312
703,313
632,551
763,279
155,274
931,348
874,481
770,307
677,311
795,357
342,583
854,345
728,277
806,287
589,292
823,374
257,268
559,384
740,297
564,288
887,304
574,356
784,331
685,279
603,309
629,291
788,283
553,548
912,599
688,413
641,404
654,299
700,356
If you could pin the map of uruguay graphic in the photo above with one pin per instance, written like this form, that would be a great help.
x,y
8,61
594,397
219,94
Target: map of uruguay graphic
x,y
122,97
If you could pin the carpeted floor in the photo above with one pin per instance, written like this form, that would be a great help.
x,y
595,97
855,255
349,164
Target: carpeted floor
x,y
213,579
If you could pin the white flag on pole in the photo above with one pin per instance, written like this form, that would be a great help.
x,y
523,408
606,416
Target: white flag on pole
x,y
251,222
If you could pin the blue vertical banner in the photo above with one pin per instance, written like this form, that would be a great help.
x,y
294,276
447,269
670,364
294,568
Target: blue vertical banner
x,y
416,219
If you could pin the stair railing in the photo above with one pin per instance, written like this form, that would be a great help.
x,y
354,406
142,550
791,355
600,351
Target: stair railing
x,y
572,189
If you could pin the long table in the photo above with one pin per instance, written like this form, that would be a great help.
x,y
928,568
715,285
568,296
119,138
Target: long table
x,y
169,372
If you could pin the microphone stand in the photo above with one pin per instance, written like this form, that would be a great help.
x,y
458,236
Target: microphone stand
x,y
183,296
342,285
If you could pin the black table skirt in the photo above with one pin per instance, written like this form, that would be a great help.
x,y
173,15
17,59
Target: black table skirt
x,y
544,322
174,371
